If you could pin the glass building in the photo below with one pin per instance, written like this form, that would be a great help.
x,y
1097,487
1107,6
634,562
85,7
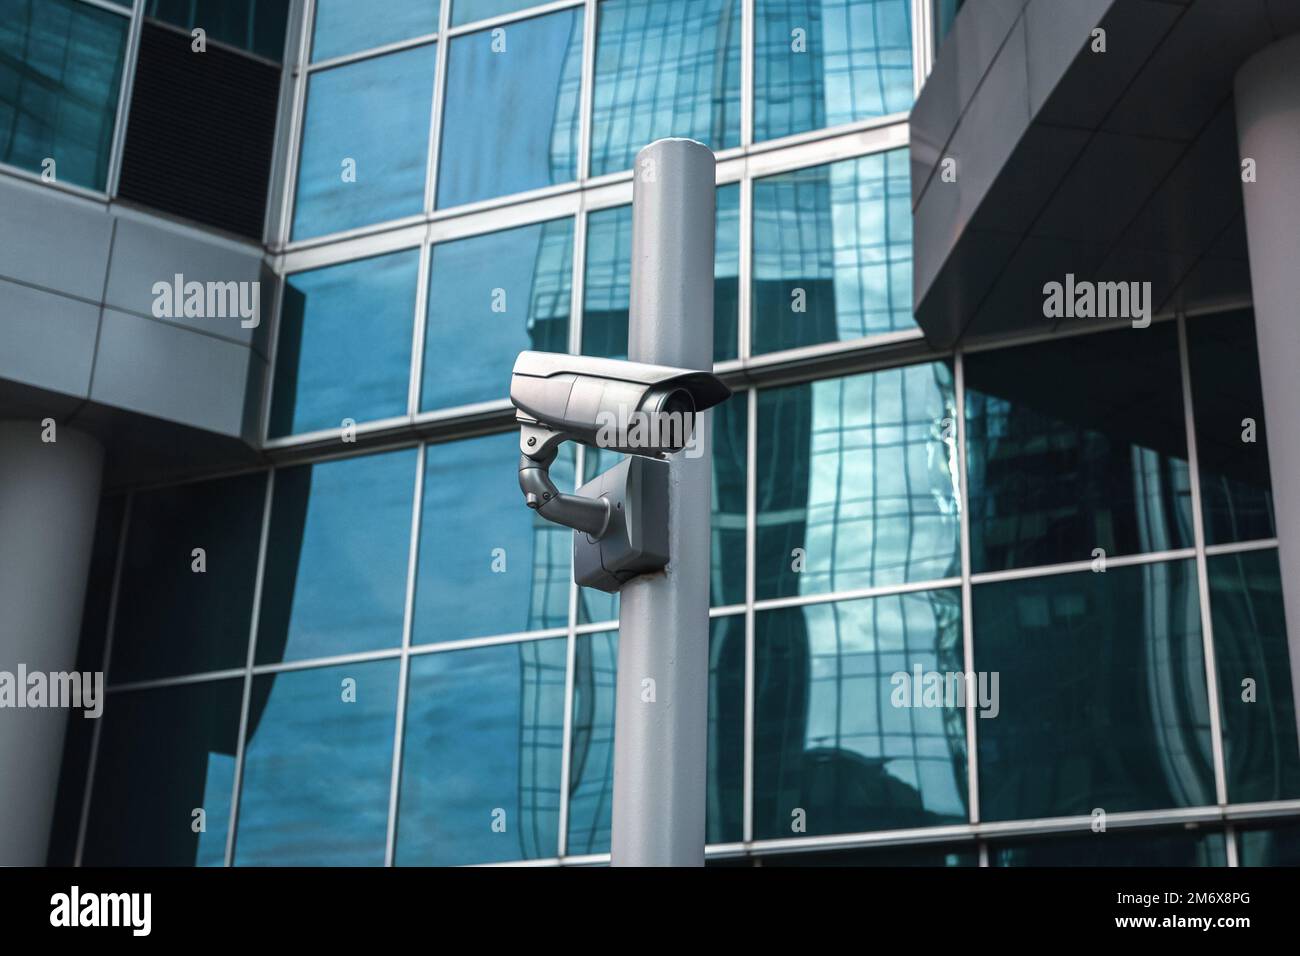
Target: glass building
x,y
333,635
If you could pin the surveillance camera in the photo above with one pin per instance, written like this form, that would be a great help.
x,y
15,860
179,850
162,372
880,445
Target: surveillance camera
x,y
627,407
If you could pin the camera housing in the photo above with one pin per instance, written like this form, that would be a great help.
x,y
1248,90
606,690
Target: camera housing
x,y
627,407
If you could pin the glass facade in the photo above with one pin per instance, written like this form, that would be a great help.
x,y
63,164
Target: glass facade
x,y
384,659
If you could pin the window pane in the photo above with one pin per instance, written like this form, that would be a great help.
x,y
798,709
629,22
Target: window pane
x,y
1235,487
1158,848
344,348
833,751
510,121
664,68
820,64
1270,846
591,775
1077,444
727,572
345,26
481,759
470,11
884,857
833,252
1254,671
60,72
365,143
171,618
162,755
490,298
257,26
318,767
855,482
608,274
479,541
336,558
1101,690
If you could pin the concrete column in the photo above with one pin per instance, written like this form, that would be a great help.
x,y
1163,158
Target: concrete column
x,y
1268,131
49,497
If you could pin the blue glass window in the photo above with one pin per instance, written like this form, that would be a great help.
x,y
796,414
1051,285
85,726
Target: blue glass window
x,y
470,11
488,565
833,252
345,26
1102,699
834,752
254,25
60,74
365,143
1231,444
318,767
1074,445
1155,848
336,558
608,277
1277,845
490,298
344,348
664,68
164,753
163,594
822,63
1254,674
591,772
510,120
856,482
481,759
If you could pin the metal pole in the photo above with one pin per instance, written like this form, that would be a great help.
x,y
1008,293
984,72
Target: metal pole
x,y
661,710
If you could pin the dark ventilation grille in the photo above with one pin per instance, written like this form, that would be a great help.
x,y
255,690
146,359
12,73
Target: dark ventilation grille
x,y
200,135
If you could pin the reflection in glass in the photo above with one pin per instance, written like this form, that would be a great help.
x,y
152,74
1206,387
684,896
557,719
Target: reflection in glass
x,y
1102,692
856,482
481,758
60,72
891,857
163,754
1254,670
833,252
1270,846
821,63
344,347
336,557
488,565
257,26
471,11
833,752
608,274
1236,490
318,767
1154,848
727,565
171,619
664,68
591,772
345,26
510,121
365,143
1076,444
490,298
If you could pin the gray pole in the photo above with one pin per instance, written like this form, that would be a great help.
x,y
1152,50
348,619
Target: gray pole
x,y
661,712
1268,101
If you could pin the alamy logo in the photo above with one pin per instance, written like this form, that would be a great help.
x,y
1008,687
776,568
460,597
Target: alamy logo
x,y
58,689
208,300
74,908
1098,300
633,429
923,688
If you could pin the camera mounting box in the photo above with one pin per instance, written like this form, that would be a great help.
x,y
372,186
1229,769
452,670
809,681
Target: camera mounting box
x,y
636,541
